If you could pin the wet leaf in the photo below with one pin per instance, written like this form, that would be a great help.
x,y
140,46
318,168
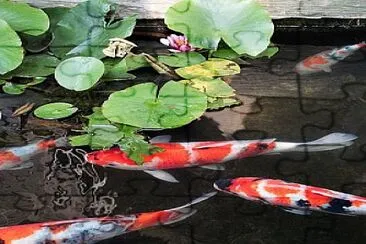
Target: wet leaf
x,y
36,66
99,38
79,73
55,111
37,44
228,53
116,70
55,15
23,18
134,62
176,105
212,68
221,103
11,52
212,87
77,24
2,82
14,89
243,24
182,59
136,148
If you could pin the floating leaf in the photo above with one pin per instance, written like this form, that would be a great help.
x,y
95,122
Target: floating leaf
x,y
14,89
136,148
55,111
182,59
11,52
268,53
79,73
36,66
99,37
221,103
243,24
55,15
212,68
2,82
176,105
116,70
77,24
134,62
212,87
228,53
23,18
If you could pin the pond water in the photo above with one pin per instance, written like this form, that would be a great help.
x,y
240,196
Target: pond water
x,y
276,104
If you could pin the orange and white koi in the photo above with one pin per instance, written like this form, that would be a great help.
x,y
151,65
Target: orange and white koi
x,y
92,230
324,60
208,154
292,197
18,157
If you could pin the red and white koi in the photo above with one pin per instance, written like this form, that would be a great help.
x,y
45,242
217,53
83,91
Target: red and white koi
x,y
324,60
208,154
92,230
18,157
292,197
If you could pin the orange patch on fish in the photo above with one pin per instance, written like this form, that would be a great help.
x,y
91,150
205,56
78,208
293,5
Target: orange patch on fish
x,y
256,148
209,152
104,157
46,144
147,219
18,232
173,155
244,185
314,60
317,196
281,189
8,156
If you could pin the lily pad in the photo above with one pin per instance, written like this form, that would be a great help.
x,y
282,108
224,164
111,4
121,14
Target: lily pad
x,y
11,52
79,73
77,24
55,111
23,18
182,59
14,89
243,24
134,62
99,38
212,87
212,68
177,105
116,70
36,66
222,103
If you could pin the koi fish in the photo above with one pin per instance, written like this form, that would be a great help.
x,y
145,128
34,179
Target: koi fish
x,y
92,230
18,157
292,197
208,154
324,60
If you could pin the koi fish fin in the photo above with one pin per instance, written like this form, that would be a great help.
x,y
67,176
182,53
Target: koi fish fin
x,y
162,175
213,167
62,142
297,211
329,142
327,69
161,139
25,165
202,198
213,145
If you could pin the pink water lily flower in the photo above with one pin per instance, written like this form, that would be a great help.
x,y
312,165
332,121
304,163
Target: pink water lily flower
x,y
177,43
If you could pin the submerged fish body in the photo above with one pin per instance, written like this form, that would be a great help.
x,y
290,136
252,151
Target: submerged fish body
x,y
324,60
18,157
207,154
293,197
92,230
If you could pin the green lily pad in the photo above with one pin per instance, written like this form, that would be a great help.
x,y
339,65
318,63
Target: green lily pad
x,y
14,89
243,24
79,73
11,52
182,59
134,62
222,103
116,70
36,66
100,35
212,87
212,68
55,111
77,24
23,18
176,105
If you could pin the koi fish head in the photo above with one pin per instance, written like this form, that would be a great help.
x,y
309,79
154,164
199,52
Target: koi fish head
x,y
244,187
110,158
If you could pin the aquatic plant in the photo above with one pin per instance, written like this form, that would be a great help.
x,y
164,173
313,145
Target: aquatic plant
x,y
83,49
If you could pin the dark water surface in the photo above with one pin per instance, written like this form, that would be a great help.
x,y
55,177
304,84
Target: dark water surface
x,y
276,103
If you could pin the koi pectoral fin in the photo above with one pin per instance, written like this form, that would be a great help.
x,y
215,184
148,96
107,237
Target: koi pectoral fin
x,y
24,165
297,211
162,175
327,69
213,167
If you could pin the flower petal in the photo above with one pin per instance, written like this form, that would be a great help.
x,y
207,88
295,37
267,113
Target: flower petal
x,y
164,41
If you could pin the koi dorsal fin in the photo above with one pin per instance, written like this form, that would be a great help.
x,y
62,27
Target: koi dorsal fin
x,y
161,139
212,144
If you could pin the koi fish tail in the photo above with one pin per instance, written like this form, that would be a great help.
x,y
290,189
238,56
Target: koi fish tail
x,y
326,143
185,211
62,142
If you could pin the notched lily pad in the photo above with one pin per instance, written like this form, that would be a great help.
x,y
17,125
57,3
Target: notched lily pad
x,y
182,59
55,111
243,24
79,73
212,87
176,105
212,68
